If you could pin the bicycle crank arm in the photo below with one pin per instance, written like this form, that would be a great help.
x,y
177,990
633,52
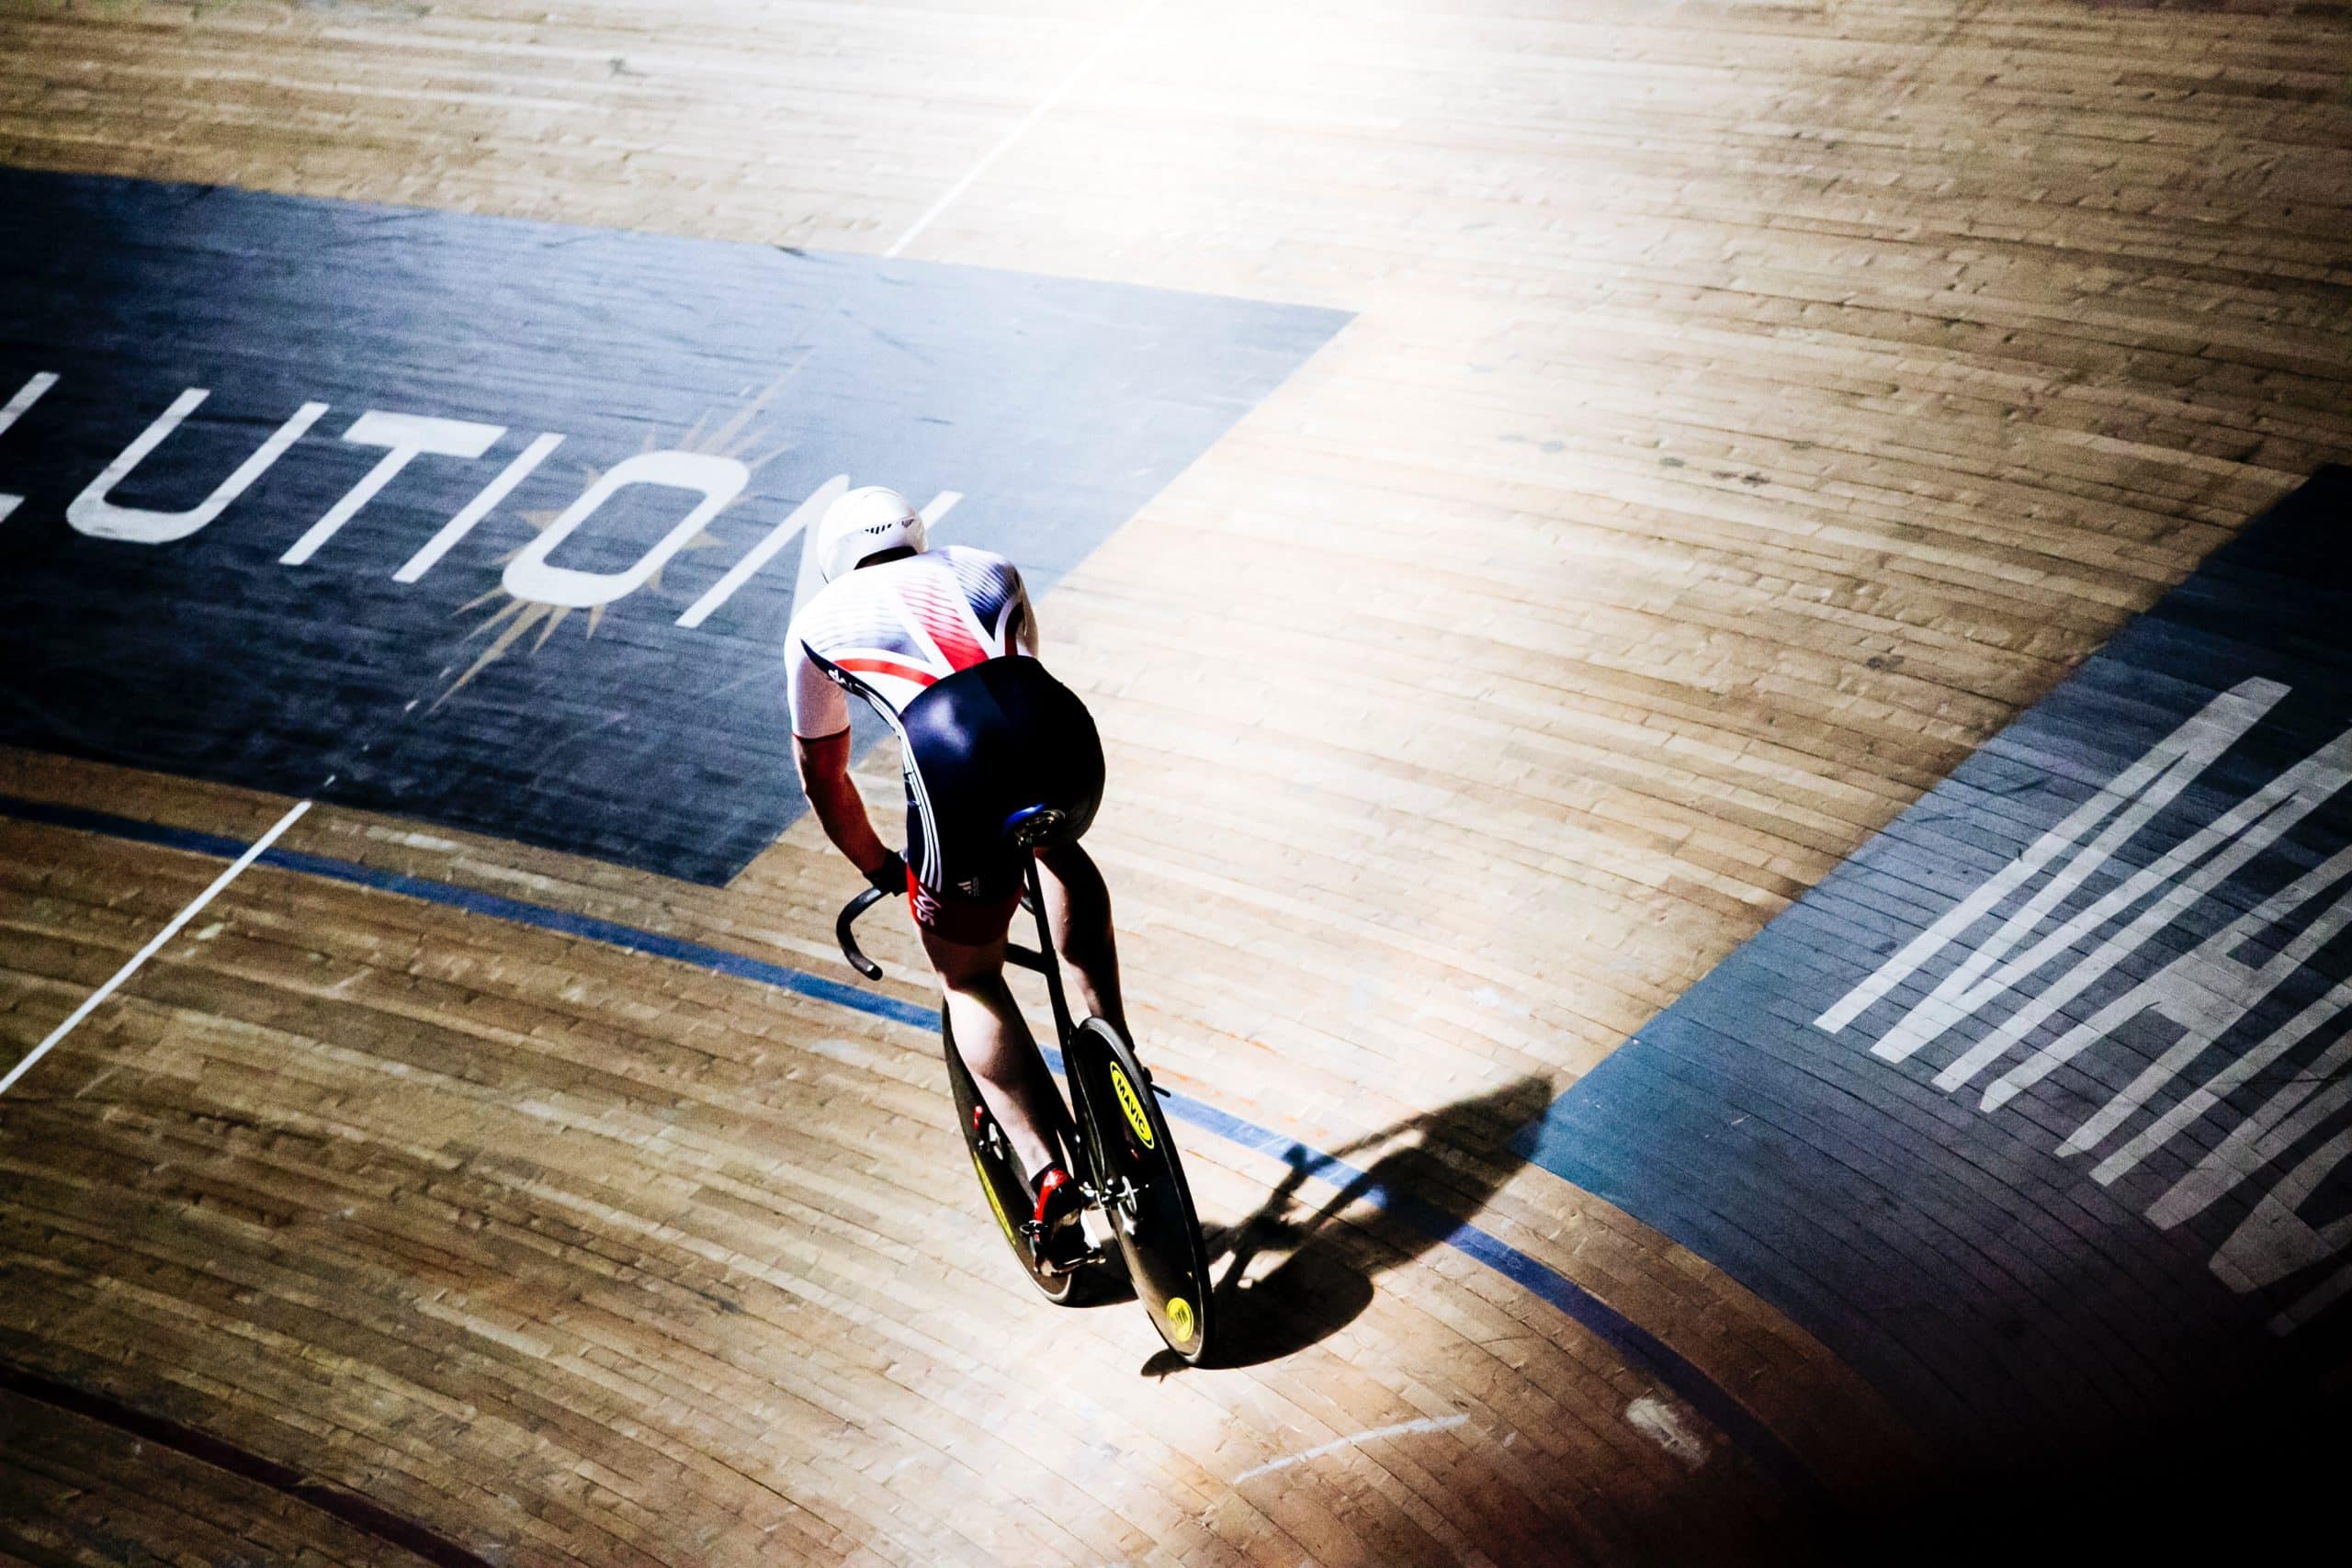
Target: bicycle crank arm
x,y
1034,1234
1110,1200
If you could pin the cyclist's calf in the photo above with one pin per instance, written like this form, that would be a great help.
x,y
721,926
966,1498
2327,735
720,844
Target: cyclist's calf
x,y
1077,911
986,1022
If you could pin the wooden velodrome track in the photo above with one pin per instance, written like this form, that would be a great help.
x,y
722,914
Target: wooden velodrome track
x,y
1750,408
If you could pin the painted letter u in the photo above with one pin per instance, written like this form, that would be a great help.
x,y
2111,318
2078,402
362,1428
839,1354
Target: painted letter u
x,y
94,515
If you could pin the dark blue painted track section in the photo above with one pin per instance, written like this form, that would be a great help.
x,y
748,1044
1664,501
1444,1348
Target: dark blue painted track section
x,y
1635,1343
1055,408
1900,1183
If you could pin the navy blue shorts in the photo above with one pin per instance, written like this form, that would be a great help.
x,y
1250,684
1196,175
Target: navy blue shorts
x,y
1002,759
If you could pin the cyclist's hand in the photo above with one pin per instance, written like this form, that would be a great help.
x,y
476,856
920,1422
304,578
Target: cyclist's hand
x,y
890,876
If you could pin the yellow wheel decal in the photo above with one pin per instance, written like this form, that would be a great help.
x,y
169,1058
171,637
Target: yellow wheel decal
x,y
1131,1106
1180,1317
994,1203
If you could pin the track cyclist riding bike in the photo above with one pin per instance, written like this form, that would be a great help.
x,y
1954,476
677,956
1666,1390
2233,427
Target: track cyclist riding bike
x,y
943,645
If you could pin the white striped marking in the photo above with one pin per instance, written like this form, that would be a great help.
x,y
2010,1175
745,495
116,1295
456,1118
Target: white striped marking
x,y
236,868
1657,1420
1427,1424
479,507
27,396
1045,105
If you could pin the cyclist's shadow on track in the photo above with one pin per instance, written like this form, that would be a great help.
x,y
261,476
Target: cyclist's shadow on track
x,y
1428,1174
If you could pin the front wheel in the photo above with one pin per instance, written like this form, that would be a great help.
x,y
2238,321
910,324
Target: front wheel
x,y
1143,1190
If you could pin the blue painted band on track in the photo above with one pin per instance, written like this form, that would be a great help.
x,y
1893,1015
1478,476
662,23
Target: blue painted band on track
x,y
1630,1339
628,938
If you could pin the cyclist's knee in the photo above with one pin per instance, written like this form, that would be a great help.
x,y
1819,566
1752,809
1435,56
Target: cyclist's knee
x,y
963,967
985,1004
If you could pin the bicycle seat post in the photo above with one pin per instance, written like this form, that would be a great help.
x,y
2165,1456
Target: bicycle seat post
x,y
1051,966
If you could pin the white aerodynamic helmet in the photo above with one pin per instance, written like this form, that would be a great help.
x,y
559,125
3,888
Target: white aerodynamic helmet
x,y
867,521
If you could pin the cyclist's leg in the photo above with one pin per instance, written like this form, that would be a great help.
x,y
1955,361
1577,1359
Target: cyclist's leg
x,y
995,1044
1077,911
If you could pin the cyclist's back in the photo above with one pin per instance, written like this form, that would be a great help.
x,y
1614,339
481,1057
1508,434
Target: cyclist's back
x,y
892,630
998,755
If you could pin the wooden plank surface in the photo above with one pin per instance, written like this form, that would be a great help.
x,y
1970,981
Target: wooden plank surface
x,y
1750,408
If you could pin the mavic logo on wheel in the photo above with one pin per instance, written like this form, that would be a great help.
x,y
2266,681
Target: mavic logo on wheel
x,y
1129,1104
995,1203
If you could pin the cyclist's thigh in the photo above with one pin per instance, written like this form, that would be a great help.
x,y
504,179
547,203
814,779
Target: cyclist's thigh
x,y
961,964
1081,879
958,924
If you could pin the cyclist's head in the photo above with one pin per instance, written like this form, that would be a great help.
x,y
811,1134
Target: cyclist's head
x,y
865,523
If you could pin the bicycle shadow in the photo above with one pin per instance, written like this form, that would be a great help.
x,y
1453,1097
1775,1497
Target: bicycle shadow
x,y
1433,1172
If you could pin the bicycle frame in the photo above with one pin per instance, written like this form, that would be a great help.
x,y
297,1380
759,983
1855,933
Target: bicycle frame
x,y
1041,959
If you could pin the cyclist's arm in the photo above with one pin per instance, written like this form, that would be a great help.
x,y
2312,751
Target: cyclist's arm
x,y
823,758
824,776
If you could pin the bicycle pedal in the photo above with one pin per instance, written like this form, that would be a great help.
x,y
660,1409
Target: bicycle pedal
x,y
1053,1251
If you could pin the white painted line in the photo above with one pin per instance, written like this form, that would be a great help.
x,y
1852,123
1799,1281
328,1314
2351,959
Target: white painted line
x,y
477,509
1427,1424
252,853
1045,105
27,396
405,437
1658,1421
783,534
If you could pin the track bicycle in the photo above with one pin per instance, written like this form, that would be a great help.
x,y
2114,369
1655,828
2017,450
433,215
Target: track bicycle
x,y
1125,1162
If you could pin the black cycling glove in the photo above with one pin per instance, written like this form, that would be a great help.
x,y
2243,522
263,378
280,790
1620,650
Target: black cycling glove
x,y
890,876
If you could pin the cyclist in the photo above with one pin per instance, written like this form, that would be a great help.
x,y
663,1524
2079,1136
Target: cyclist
x,y
1001,761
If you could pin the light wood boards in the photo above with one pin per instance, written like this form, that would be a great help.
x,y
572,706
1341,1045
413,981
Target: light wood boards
x,y
1750,408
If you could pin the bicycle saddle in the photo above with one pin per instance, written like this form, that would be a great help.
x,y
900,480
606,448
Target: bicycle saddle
x,y
1036,827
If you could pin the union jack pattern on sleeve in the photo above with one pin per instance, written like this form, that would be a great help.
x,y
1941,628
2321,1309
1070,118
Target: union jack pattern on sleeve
x,y
992,587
